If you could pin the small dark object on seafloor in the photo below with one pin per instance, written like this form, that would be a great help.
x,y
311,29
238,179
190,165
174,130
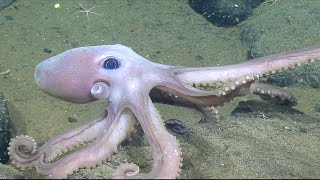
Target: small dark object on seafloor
x,y
5,133
175,126
47,50
71,119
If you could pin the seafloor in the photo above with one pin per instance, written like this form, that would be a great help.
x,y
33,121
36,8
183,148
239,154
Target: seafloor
x,y
267,141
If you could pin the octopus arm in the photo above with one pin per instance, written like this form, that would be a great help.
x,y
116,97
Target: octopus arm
x,y
257,67
97,152
164,146
273,94
193,97
109,133
23,152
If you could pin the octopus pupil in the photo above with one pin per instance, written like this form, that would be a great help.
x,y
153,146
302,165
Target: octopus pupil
x,y
111,63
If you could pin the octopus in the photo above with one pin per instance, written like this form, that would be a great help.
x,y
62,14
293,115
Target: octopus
x,y
130,85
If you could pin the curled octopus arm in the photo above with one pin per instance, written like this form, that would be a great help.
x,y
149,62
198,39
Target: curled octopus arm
x,y
104,135
23,151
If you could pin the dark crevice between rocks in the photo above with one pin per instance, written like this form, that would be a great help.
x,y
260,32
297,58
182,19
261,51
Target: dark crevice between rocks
x,y
5,130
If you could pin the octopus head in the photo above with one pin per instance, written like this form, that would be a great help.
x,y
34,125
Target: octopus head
x,y
86,74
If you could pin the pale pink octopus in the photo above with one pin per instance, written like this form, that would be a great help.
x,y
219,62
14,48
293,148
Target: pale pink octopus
x,y
129,83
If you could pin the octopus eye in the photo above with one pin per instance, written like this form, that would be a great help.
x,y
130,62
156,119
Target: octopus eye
x,y
111,63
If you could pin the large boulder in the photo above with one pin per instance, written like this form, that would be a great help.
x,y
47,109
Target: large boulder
x,y
224,13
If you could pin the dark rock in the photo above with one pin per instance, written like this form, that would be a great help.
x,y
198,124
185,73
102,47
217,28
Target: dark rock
x,y
224,13
175,126
71,119
5,127
47,50
5,3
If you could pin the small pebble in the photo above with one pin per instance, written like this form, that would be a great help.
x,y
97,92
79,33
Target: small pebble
x,y
71,119
47,50
287,128
175,126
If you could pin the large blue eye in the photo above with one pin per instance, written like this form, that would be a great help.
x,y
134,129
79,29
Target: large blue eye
x,y
111,63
